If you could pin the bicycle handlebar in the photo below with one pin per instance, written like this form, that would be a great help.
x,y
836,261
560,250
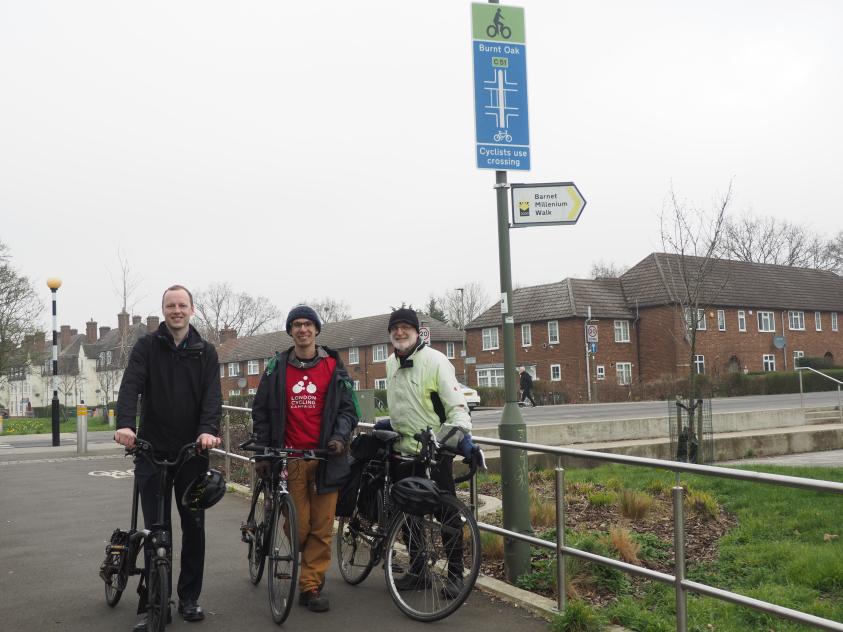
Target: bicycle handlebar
x,y
251,445
428,441
145,449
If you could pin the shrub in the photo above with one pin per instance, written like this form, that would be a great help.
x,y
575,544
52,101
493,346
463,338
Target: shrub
x,y
491,395
657,487
602,499
491,545
578,617
635,505
702,503
542,511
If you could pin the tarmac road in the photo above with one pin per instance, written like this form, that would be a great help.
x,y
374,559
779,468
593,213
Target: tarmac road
x,y
57,512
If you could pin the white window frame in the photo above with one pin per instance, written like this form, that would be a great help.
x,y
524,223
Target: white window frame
x,y
622,331
252,391
699,364
490,376
356,385
741,320
222,370
623,370
234,370
818,321
600,371
380,383
555,372
796,320
769,319
553,332
379,353
450,350
234,392
701,325
354,355
796,356
526,335
253,367
721,320
490,338
768,362
833,321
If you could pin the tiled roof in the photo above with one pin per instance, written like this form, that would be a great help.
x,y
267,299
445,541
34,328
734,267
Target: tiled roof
x,y
112,341
357,332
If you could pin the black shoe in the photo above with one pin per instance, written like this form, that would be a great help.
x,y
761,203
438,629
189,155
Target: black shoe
x,y
451,588
190,610
412,581
141,625
314,600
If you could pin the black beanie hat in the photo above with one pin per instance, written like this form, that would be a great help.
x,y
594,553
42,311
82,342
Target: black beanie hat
x,y
303,311
404,315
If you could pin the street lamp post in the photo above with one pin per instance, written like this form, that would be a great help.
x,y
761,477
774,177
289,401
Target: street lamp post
x,y
462,326
54,284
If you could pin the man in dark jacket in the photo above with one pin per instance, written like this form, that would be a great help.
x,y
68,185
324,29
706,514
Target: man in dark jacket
x,y
176,373
305,401
526,383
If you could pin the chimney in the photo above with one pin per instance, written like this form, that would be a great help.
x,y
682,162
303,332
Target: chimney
x,y
91,331
152,323
123,323
74,333
136,320
64,337
103,331
227,334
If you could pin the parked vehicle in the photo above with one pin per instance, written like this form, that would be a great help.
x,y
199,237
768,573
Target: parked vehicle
x,y
471,396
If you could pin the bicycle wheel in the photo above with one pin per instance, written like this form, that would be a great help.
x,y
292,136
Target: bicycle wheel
x,y
158,596
283,558
113,568
359,540
432,561
114,587
506,32
256,532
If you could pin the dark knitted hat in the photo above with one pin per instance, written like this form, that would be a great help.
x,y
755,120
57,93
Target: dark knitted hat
x,y
303,311
403,315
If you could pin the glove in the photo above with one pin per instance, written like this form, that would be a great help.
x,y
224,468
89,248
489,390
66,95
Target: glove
x,y
450,437
477,458
466,446
335,447
263,469
383,424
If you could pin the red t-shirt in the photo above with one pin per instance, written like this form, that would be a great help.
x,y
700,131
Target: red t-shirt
x,y
306,391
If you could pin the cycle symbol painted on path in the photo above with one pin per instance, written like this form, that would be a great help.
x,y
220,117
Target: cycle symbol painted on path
x,y
118,474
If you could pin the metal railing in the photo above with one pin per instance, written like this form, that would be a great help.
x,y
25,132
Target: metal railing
x,y
800,369
678,580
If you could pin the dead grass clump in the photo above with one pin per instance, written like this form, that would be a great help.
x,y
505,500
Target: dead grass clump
x,y
635,505
620,539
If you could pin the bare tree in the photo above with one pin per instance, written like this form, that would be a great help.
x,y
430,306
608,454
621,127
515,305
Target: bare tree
x,y
433,308
461,307
126,283
330,310
606,270
220,307
835,249
19,310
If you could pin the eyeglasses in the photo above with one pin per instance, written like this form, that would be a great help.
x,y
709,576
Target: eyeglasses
x,y
402,327
302,324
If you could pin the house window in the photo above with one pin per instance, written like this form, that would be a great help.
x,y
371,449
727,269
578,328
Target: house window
x,y
354,355
555,372
490,377
526,335
449,350
108,358
741,320
621,331
833,321
796,320
233,370
700,319
721,320
624,372
553,332
768,360
356,385
222,371
490,338
766,321
252,391
379,353
818,320
234,392
699,364
253,367
380,384
600,372
796,356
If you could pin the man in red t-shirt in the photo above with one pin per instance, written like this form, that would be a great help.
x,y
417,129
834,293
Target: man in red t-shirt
x,y
305,400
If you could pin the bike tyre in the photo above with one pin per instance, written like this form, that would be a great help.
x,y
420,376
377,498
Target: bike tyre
x,y
113,592
491,30
357,534
506,32
428,602
283,557
158,596
257,547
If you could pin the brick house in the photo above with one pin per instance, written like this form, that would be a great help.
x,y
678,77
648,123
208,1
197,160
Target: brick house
x,y
363,344
752,317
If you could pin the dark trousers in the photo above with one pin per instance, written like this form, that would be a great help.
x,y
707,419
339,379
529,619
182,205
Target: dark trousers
x,y
192,523
526,394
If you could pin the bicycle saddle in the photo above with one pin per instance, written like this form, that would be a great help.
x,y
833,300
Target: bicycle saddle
x,y
386,436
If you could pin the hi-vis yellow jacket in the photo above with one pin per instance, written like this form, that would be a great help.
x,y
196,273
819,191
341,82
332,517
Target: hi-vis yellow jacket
x,y
422,391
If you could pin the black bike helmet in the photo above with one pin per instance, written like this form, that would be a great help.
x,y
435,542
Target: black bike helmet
x,y
415,495
205,491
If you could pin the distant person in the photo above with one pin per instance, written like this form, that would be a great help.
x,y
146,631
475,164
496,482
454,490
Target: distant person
x,y
177,373
526,384
305,400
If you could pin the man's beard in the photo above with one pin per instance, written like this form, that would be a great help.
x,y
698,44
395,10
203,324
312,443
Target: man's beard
x,y
403,346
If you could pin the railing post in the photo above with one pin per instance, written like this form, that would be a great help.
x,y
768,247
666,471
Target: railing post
x,y
228,443
560,536
472,493
839,407
679,556
801,391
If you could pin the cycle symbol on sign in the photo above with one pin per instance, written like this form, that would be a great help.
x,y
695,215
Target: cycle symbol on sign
x,y
503,135
497,27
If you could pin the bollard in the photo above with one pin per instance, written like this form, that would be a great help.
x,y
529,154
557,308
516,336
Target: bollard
x,y
111,420
81,429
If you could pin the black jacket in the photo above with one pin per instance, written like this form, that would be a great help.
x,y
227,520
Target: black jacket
x,y
339,416
180,390
526,381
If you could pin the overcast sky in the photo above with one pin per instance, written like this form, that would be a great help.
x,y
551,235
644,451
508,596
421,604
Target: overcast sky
x,y
310,149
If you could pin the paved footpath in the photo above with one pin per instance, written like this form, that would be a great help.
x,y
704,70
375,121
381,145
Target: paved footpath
x,y
57,510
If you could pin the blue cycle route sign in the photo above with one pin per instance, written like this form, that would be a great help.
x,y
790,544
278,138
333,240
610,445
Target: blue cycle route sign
x,y
500,87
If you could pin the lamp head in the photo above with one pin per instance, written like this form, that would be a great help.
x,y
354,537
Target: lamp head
x,y
54,283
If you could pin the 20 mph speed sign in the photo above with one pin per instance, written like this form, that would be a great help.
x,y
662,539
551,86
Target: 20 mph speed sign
x,y
591,333
424,334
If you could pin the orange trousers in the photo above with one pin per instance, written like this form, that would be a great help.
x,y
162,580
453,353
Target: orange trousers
x,y
315,515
